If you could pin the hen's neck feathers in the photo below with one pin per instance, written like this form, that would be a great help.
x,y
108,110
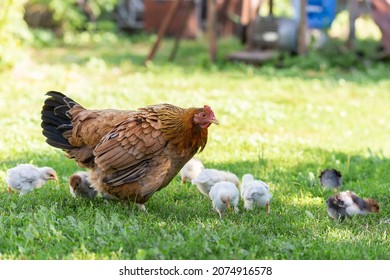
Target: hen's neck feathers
x,y
179,128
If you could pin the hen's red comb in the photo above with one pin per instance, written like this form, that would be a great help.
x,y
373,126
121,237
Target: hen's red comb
x,y
208,109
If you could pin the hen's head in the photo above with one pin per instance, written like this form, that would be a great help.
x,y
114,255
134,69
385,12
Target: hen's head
x,y
204,117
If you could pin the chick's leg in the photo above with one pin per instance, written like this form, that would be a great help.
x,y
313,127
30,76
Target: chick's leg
x,y
235,205
9,189
219,211
141,207
268,207
248,204
23,192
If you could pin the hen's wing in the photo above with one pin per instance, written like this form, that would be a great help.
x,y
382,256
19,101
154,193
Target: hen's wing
x,y
131,150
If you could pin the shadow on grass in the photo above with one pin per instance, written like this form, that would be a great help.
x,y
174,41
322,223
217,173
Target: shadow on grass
x,y
180,223
295,191
364,174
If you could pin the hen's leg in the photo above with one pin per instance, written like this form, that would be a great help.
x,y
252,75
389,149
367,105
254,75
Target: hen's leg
x,y
268,207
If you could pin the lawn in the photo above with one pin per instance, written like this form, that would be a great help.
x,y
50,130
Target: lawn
x,y
282,124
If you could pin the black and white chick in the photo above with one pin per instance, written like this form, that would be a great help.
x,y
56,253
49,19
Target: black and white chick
x,y
349,204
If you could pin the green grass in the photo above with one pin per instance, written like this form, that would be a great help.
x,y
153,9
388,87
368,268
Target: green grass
x,y
281,124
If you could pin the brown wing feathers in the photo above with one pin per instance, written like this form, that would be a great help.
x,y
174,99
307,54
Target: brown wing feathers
x,y
127,175
126,152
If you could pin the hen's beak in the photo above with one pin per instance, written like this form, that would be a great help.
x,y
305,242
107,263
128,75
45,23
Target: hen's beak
x,y
214,121
54,178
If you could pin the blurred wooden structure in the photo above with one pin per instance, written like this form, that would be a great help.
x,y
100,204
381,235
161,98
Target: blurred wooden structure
x,y
380,10
172,15
218,11
246,12
258,51
185,22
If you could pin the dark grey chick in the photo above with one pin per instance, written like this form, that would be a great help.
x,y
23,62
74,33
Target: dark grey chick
x,y
79,185
331,179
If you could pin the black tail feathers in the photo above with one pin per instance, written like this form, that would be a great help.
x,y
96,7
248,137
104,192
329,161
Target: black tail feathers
x,y
56,119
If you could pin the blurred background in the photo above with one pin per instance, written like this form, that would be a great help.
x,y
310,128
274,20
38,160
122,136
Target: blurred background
x,y
258,28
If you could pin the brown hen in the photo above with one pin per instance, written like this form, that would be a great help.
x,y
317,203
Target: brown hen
x,y
130,154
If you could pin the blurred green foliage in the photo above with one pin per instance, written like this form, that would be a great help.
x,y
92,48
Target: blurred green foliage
x,y
76,15
47,20
13,31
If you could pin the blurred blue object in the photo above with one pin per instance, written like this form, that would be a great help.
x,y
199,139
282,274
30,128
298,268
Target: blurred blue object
x,y
320,13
